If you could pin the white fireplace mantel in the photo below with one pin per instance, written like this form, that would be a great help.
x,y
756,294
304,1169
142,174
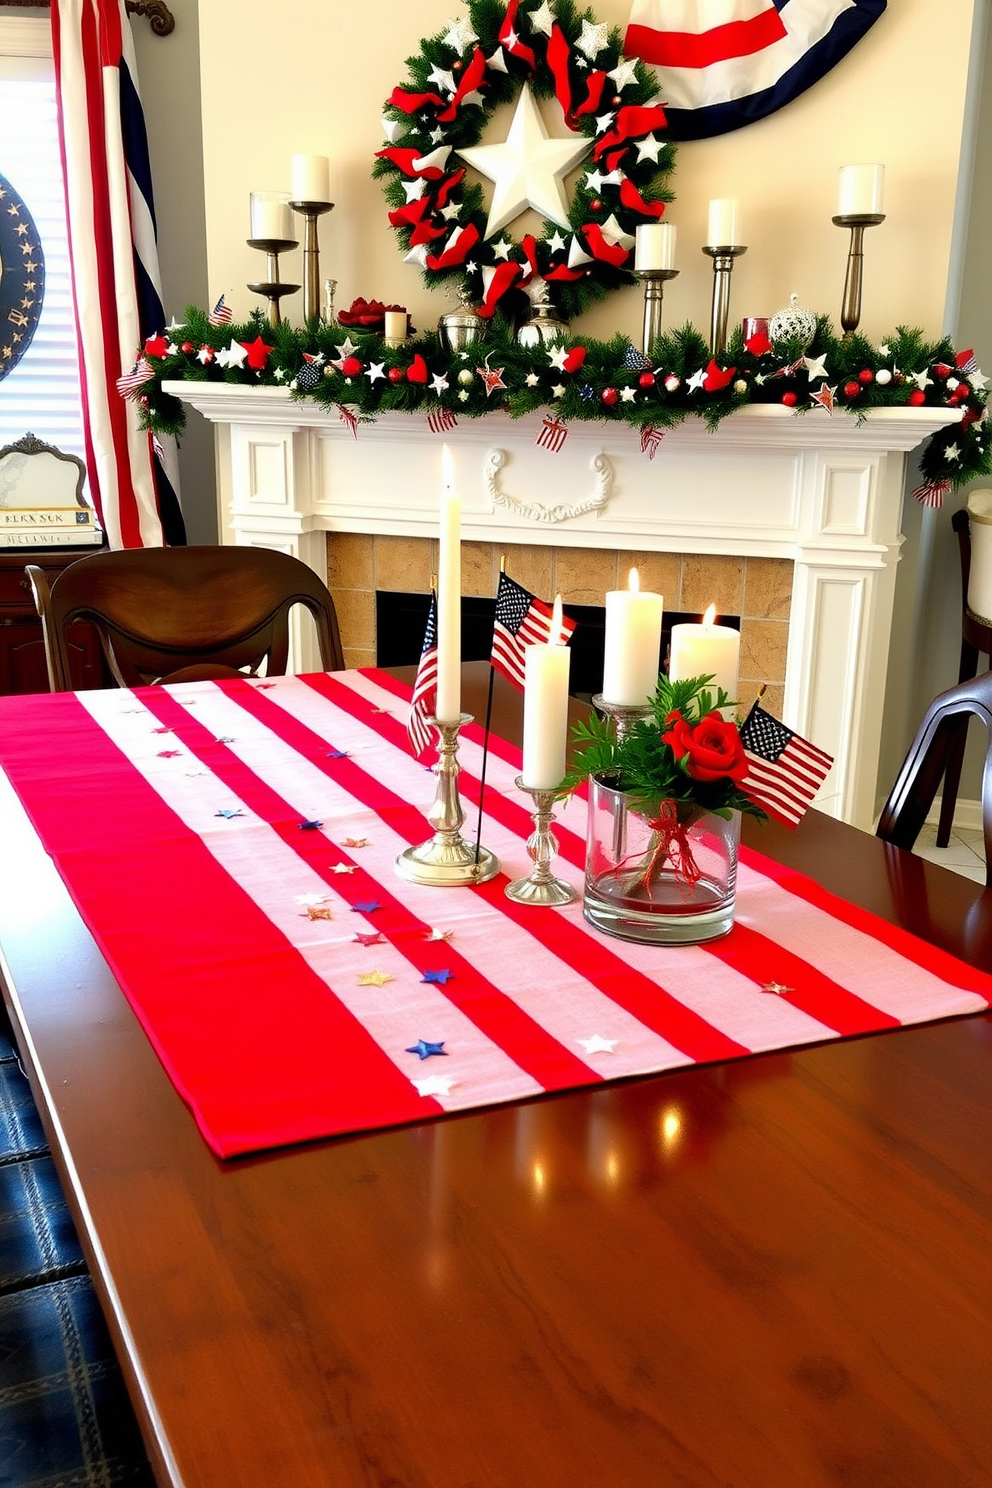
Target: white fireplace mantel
x,y
823,491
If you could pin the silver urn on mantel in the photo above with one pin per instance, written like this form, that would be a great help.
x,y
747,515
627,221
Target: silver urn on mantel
x,y
545,325
459,329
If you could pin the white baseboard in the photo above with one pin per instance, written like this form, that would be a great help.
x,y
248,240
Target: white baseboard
x,y
967,814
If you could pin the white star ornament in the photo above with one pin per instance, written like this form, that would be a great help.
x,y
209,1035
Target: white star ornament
x,y
527,169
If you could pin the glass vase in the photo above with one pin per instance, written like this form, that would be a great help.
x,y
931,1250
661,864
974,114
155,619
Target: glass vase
x,y
668,879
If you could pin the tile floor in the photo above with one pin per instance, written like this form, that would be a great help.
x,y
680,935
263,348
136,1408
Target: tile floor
x,y
964,853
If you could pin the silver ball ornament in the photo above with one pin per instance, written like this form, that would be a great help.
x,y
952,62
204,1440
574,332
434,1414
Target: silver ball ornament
x,y
883,376
465,377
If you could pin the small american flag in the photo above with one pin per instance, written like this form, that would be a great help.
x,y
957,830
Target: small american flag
x,y
650,440
553,433
784,771
932,492
221,314
521,620
140,373
440,420
425,687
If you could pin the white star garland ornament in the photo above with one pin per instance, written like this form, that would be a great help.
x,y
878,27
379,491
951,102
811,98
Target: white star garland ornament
x,y
346,349
460,34
816,366
532,379
592,39
375,371
527,169
414,190
695,382
624,74
542,20
556,242
649,148
922,379
439,382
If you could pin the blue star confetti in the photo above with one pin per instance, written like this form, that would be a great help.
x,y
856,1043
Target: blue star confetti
x,y
310,826
587,392
365,906
337,754
424,1049
440,978
228,811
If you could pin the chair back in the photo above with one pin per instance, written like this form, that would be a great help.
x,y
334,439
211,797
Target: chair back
x,y
180,614
939,738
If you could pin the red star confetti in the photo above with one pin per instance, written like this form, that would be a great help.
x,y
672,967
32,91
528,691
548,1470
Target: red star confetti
x,y
169,753
374,938
355,842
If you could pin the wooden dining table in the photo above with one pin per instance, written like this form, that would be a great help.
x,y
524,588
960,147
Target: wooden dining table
x,y
772,1272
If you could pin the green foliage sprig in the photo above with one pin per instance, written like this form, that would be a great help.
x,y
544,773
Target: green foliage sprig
x,y
643,765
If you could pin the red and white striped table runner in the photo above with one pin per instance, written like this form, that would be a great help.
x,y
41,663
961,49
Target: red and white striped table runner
x,y
183,821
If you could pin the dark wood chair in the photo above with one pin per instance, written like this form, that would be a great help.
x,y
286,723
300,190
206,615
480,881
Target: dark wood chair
x,y
976,640
938,740
184,614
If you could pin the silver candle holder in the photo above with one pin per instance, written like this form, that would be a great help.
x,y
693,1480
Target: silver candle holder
x,y
540,886
310,211
723,267
850,313
446,859
272,286
624,715
653,282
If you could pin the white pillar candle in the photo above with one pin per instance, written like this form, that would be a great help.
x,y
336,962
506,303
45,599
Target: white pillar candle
x,y
310,178
449,599
706,650
860,190
395,325
722,231
546,709
655,246
271,216
633,641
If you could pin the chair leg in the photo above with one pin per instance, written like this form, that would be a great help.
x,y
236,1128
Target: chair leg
x,y
955,755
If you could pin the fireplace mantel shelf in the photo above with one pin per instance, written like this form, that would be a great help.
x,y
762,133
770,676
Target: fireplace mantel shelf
x,y
823,491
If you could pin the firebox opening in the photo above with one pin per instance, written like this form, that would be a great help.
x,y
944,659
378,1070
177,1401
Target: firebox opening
x,y
401,620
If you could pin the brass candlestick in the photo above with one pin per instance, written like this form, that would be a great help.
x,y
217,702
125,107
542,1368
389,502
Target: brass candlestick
x,y
723,267
850,313
541,887
653,281
310,211
446,858
272,286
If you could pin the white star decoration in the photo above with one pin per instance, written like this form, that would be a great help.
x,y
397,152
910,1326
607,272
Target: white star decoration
x,y
542,19
527,169
624,74
558,391
532,379
598,1045
696,381
556,242
232,356
557,357
460,34
952,452
439,382
922,379
375,371
346,349
435,1085
592,39
414,190
816,366
445,80
649,148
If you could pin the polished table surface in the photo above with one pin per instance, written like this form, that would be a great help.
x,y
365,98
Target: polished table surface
x,y
771,1273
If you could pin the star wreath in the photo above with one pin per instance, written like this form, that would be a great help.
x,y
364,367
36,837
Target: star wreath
x,y
501,53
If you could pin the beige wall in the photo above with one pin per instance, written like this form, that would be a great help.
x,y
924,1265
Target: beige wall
x,y
310,75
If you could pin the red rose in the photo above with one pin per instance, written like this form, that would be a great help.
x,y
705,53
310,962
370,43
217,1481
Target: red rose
x,y
713,747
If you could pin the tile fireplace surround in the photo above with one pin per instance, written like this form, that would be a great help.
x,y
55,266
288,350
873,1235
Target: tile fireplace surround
x,y
793,523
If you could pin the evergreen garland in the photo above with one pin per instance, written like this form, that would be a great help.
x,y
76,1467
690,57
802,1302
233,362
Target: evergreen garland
x,y
359,375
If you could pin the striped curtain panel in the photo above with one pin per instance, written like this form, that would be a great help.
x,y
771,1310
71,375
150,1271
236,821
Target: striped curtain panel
x,y
722,64
114,258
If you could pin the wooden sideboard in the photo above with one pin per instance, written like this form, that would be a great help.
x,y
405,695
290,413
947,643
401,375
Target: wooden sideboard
x,y
22,647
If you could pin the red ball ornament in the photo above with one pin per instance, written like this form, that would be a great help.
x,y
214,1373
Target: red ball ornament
x,y
866,375
617,100
396,374
351,366
457,65
610,396
852,389
917,397
646,380
595,205
790,400
943,370
186,347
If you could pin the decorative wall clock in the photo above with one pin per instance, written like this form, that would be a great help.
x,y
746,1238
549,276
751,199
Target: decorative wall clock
x,y
22,277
